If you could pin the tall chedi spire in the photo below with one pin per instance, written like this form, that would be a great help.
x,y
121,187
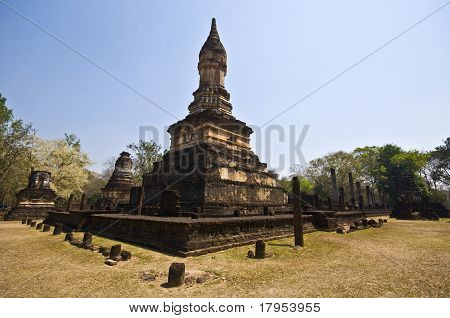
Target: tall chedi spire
x,y
212,67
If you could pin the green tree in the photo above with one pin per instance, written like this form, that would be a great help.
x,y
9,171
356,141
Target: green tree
x,y
145,153
438,167
15,153
66,162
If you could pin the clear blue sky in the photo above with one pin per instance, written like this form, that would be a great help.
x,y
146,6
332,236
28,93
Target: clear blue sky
x,y
277,53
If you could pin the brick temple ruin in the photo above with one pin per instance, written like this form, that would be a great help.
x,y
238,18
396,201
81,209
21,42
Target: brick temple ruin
x,y
116,192
210,191
36,199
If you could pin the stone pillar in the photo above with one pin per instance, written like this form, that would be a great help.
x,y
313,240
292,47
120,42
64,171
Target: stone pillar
x,y
58,229
352,190
29,221
260,249
177,273
47,228
39,226
334,189
341,199
24,221
319,200
317,204
69,237
83,202
374,200
33,224
69,203
330,203
140,200
358,192
298,218
368,197
87,239
115,252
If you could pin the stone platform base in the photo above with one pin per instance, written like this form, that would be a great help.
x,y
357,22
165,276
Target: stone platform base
x,y
184,237
19,213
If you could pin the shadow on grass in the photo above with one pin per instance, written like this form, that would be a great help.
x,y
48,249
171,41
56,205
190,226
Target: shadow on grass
x,y
280,244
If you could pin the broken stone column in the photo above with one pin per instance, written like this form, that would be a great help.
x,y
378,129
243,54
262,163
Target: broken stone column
x,y
140,200
115,252
58,229
177,273
39,226
68,237
368,197
29,221
352,190
33,224
83,202
330,203
359,195
87,240
341,199
334,188
298,217
69,203
24,221
260,249
317,204
46,228
372,196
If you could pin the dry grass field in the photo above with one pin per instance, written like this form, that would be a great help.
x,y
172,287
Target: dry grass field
x,y
402,259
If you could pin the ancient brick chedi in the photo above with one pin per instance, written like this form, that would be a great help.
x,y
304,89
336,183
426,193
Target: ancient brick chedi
x,y
210,164
36,199
117,190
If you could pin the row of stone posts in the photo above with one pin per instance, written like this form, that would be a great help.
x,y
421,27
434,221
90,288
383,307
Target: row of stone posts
x,y
356,200
83,202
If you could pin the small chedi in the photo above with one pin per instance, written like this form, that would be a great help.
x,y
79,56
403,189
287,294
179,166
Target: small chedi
x,y
412,204
210,165
36,199
116,193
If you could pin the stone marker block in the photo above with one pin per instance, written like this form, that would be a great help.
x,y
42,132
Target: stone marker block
x,y
58,229
87,239
33,224
260,250
29,221
39,226
126,255
47,228
340,230
250,254
24,221
77,243
106,252
385,220
177,273
69,237
364,222
115,252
